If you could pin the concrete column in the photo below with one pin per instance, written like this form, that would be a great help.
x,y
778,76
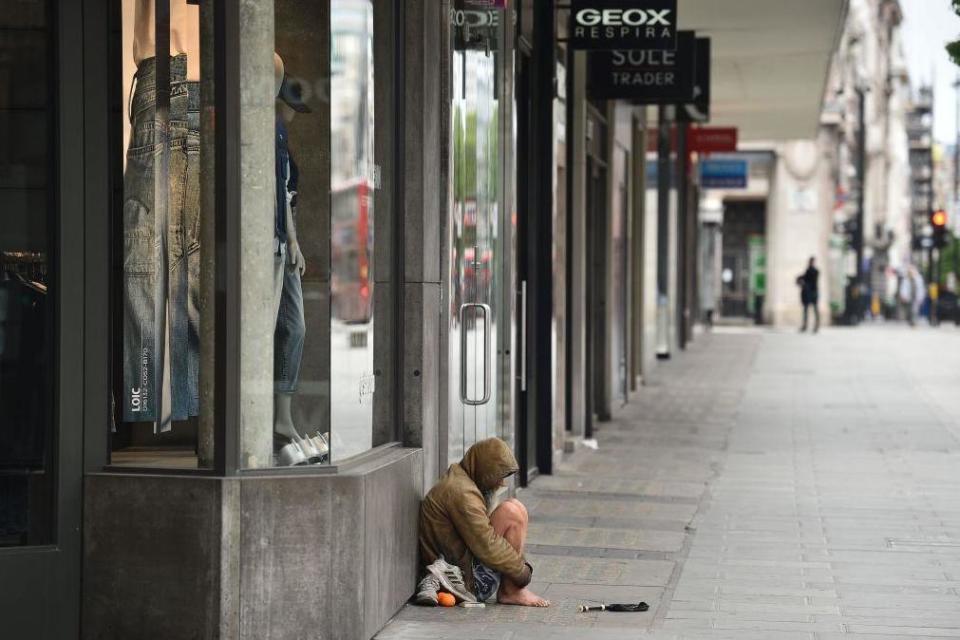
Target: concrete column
x,y
664,246
386,112
426,105
577,287
256,219
798,227
638,232
651,232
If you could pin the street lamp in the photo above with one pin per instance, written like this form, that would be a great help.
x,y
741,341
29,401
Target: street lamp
x,y
861,88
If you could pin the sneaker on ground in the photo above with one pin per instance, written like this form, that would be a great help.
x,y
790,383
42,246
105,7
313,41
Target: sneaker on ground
x,y
451,578
427,591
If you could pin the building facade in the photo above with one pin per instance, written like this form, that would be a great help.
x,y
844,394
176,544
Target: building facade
x,y
260,290
843,185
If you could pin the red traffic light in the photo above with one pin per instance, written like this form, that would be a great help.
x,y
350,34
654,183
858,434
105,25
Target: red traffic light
x,y
939,219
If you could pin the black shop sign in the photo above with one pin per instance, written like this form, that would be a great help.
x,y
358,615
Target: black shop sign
x,y
699,109
623,24
645,76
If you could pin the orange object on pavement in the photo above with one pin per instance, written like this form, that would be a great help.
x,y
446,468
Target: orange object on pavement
x,y
446,599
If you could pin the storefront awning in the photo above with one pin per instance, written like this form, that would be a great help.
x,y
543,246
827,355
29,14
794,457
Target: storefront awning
x,y
770,61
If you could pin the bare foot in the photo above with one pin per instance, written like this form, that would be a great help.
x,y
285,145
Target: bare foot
x,y
522,598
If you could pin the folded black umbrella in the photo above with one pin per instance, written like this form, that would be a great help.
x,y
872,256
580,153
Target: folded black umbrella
x,y
626,608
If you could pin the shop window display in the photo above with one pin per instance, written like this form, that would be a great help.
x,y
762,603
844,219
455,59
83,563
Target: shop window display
x,y
308,272
157,334
324,270
28,286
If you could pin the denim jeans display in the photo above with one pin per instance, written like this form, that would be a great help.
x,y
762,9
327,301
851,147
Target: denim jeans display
x,y
161,248
291,327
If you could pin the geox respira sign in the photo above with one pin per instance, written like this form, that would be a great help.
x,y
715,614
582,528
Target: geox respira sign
x,y
623,24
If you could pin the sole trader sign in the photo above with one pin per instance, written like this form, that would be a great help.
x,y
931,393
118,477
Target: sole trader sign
x,y
623,24
646,76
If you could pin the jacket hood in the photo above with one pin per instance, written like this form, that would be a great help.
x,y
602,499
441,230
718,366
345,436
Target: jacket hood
x,y
488,462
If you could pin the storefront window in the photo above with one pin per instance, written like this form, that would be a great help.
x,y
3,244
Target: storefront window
x,y
308,310
27,286
160,322
309,202
353,181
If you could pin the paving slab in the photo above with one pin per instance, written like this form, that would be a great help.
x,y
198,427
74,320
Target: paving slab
x,y
762,485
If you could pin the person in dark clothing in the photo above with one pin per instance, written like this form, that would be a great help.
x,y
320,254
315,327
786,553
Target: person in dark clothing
x,y
810,295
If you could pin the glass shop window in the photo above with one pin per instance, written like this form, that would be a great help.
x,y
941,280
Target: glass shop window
x,y
309,375
163,167
27,269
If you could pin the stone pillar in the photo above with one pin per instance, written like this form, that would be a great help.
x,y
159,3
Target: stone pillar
x,y
577,255
637,236
425,202
256,219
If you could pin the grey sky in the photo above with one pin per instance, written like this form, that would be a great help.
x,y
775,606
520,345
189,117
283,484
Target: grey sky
x,y
928,25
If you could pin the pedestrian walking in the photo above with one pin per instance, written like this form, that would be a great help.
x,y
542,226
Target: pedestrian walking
x,y
911,294
809,283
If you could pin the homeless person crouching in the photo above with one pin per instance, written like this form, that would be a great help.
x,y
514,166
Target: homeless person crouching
x,y
468,551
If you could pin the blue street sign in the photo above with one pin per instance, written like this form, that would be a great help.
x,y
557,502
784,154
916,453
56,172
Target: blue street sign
x,y
724,174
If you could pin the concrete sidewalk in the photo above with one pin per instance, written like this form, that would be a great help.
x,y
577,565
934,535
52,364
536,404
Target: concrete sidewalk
x,y
766,485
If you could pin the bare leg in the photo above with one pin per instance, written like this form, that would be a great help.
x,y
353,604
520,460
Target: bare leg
x,y
510,520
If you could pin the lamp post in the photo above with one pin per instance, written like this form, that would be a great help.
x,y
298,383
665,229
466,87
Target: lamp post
x,y
861,186
956,208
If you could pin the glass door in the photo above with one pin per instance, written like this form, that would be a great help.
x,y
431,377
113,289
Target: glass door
x,y
40,360
474,244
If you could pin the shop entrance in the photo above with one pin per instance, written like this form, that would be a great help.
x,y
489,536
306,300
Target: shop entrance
x,y
541,236
474,244
744,233
597,378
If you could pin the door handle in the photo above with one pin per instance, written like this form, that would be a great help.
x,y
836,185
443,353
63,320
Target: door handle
x,y
523,335
487,387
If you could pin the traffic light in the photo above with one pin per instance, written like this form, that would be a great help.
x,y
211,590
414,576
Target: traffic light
x,y
938,220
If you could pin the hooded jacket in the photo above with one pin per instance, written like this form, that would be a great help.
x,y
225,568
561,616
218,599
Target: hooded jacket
x,y
454,522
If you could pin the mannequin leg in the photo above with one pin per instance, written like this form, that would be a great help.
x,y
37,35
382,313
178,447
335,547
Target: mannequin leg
x,y
283,416
282,401
288,350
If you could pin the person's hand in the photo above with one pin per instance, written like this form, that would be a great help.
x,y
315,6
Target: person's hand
x,y
295,257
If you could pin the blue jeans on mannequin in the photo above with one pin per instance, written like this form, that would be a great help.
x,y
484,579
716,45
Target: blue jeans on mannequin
x,y
291,327
161,250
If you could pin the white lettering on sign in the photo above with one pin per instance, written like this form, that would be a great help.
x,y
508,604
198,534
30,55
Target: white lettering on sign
x,y
621,17
598,33
642,58
644,79
474,18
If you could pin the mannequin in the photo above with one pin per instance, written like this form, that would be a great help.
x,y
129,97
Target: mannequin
x,y
184,33
288,293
